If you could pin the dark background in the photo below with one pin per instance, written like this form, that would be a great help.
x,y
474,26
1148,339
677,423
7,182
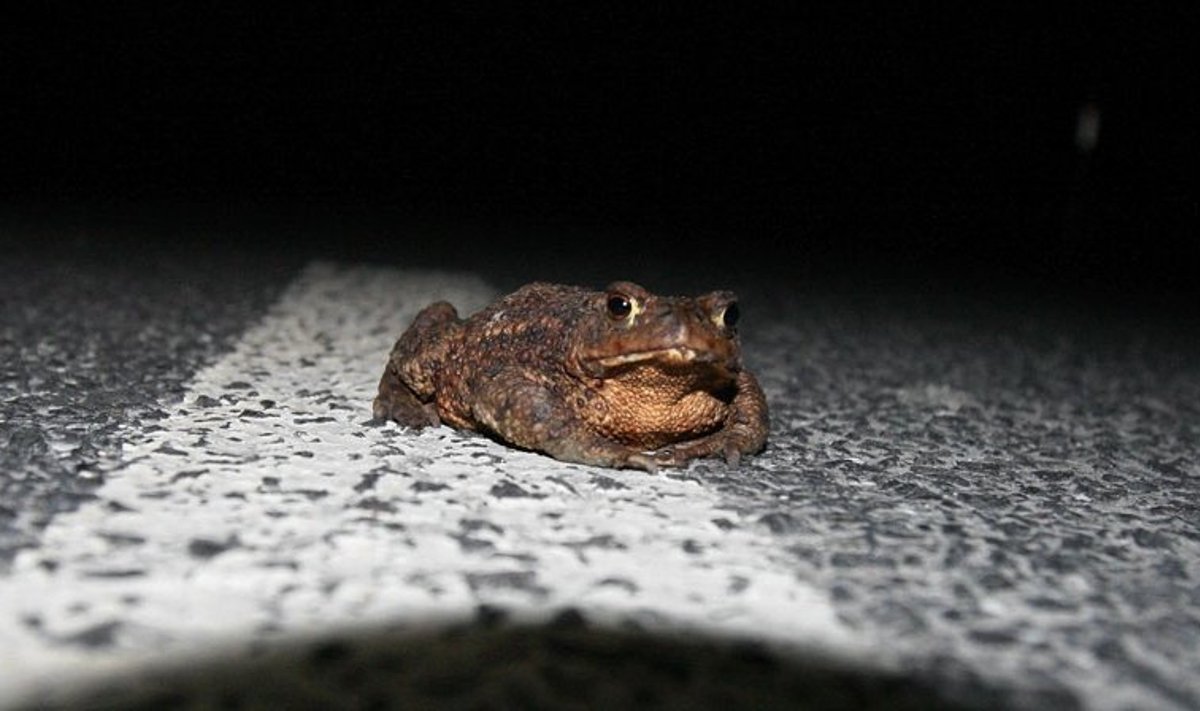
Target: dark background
x,y
934,147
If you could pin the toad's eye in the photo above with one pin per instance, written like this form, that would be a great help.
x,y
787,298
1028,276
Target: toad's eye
x,y
730,316
619,306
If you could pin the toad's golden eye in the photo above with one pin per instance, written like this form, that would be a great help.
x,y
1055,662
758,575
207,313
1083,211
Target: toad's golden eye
x,y
619,306
730,316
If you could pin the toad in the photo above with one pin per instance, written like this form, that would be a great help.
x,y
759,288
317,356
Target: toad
x,y
616,378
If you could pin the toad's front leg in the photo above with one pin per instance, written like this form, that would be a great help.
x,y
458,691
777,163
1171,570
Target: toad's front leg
x,y
744,430
521,411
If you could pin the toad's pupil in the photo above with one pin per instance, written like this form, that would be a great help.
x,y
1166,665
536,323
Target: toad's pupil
x,y
731,315
619,306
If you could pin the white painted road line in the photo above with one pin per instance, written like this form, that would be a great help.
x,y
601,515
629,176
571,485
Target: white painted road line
x,y
265,505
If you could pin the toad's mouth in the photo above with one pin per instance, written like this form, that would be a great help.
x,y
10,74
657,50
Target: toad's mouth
x,y
677,355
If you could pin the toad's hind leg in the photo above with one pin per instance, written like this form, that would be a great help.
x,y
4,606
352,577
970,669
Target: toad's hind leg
x,y
521,411
396,401
407,389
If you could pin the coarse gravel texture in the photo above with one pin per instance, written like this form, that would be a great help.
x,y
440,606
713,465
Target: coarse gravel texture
x,y
98,333
997,496
1016,487
266,504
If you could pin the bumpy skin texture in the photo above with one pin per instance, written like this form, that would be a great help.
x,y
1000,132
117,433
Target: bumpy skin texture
x,y
617,378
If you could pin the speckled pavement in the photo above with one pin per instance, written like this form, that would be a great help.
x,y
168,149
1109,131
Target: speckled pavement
x,y
1001,507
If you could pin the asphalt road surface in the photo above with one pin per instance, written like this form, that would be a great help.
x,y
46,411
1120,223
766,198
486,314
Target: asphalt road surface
x,y
973,503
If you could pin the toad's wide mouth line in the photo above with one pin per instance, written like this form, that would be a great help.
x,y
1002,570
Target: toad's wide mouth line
x,y
676,355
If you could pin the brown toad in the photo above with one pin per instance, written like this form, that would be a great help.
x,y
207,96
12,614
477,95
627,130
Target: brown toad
x,y
618,378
